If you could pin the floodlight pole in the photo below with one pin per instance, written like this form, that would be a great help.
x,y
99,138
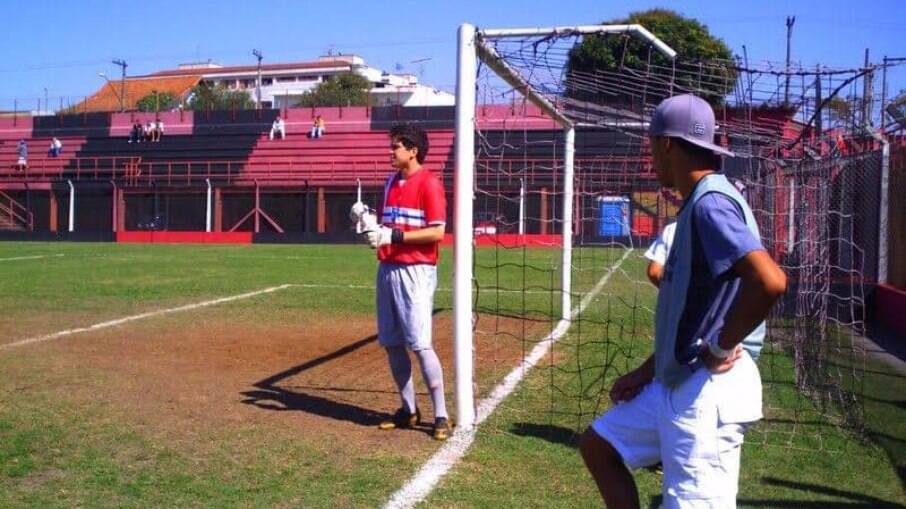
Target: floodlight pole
x,y
259,56
122,64
790,21
463,194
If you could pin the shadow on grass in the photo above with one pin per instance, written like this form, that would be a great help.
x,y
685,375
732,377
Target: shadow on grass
x,y
269,396
851,500
554,434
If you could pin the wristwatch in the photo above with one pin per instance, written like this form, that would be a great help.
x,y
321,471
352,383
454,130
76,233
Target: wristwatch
x,y
719,352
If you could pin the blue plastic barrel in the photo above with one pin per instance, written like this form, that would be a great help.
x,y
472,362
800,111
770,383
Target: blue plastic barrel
x,y
614,218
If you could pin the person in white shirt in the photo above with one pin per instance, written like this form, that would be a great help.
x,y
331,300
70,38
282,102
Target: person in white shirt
x,y
278,127
657,254
56,147
158,130
149,131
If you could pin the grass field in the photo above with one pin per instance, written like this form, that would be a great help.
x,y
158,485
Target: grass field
x,y
271,400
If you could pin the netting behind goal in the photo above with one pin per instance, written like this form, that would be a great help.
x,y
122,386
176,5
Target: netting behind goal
x,y
810,176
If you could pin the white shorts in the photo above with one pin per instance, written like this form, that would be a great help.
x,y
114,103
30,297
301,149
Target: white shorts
x,y
405,301
695,429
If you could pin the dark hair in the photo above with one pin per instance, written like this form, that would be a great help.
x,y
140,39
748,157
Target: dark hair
x,y
699,153
411,136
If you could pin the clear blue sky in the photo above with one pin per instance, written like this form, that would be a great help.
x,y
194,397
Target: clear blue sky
x,y
62,46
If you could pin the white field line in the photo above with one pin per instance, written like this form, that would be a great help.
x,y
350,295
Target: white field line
x,y
424,481
142,316
35,257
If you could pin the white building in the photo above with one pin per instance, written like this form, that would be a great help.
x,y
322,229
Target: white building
x,y
283,84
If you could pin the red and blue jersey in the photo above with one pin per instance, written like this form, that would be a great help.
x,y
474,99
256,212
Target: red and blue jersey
x,y
412,204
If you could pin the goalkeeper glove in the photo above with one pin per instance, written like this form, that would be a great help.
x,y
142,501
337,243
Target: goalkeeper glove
x,y
363,218
368,222
383,236
355,213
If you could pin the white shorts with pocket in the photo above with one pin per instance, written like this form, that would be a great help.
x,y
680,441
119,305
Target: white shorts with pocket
x,y
405,301
695,429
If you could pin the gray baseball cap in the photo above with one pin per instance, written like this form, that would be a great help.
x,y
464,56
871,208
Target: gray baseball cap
x,y
687,117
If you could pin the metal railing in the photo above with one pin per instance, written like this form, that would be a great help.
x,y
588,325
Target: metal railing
x,y
133,171
16,212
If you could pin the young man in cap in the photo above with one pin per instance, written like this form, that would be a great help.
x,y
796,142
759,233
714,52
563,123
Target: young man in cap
x,y
688,405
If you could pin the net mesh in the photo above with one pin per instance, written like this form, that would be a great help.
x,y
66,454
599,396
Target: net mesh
x,y
809,169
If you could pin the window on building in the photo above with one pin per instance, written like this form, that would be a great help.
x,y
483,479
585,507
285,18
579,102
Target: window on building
x,y
267,81
286,79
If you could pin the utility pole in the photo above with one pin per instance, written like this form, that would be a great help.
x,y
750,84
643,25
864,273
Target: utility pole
x,y
867,93
790,21
259,56
122,64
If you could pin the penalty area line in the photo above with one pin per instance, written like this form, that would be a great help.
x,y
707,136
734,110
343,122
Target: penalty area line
x,y
141,316
35,257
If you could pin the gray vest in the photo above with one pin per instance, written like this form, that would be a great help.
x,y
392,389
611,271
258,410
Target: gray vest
x,y
674,290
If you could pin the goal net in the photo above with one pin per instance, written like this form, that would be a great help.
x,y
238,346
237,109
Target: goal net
x,y
556,203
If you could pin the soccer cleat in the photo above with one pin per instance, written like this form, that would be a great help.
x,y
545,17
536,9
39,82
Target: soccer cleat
x,y
401,419
442,428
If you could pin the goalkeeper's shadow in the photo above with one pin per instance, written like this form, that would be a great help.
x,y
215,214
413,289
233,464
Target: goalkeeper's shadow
x,y
269,395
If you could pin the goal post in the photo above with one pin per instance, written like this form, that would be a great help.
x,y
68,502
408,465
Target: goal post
x,y
476,46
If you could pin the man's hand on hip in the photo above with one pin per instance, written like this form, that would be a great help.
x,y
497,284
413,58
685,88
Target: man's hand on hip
x,y
719,365
628,386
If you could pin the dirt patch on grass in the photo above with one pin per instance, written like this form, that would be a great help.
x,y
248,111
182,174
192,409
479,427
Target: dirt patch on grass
x,y
322,379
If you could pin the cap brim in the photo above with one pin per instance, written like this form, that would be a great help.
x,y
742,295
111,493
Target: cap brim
x,y
717,149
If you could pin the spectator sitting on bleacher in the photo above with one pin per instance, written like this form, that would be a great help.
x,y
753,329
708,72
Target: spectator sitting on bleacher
x,y
135,135
22,152
278,126
317,129
157,130
148,131
56,147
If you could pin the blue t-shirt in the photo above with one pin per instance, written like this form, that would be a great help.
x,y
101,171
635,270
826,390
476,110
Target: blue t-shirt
x,y
720,238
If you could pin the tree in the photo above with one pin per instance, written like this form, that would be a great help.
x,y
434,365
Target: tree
x,y
691,40
344,89
157,101
206,97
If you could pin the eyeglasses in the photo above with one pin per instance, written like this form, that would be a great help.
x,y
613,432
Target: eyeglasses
x,y
396,146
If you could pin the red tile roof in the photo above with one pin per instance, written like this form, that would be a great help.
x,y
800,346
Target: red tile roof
x,y
108,97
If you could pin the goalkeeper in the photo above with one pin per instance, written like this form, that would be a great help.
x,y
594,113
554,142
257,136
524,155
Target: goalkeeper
x,y
407,241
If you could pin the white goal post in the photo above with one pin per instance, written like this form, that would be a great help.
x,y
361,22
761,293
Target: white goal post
x,y
474,44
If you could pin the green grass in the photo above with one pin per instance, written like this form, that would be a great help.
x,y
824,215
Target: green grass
x,y
57,451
